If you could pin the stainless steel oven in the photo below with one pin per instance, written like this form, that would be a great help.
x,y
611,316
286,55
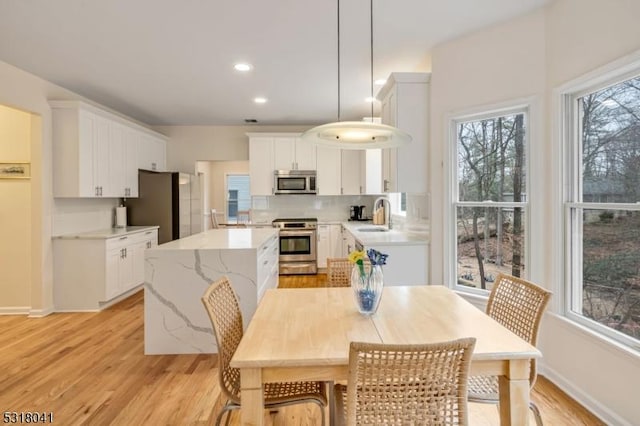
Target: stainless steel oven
x,y
298,239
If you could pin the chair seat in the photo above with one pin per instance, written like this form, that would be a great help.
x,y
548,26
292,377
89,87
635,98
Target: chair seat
x,y
279,393
483,389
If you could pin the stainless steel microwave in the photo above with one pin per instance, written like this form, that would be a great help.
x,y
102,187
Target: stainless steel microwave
x,y
294,182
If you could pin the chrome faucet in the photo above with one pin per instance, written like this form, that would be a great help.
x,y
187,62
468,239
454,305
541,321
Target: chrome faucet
x,y
387,210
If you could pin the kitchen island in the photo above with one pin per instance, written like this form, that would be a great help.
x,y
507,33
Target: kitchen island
x,y
178,273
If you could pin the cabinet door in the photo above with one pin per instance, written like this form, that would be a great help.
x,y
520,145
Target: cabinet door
x,y
87,187
324,245
151,152
112,288
125,270
335,241
116,162
305,155
328,160
284,153
261,165
351,172
130,143
102,156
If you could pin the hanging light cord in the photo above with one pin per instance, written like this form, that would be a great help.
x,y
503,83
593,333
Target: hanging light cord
x,y
371,23
338,60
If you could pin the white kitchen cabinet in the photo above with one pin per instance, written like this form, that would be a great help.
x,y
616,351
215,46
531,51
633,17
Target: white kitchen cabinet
x,y
96,153
261,165
151,152
329,243
328,170
405,100
290,153
91,271
348,242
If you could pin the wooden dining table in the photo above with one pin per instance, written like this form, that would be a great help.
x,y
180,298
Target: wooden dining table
x,y
304,334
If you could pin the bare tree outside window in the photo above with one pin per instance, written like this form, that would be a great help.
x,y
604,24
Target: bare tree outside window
x,y
608,239
492,196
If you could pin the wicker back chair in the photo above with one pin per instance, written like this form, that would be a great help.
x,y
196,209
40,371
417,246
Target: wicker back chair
x,y
518,305
338,272
223,309
406,384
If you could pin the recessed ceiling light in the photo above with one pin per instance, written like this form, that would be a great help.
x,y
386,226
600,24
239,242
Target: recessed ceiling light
x,y
380,82
260,100
242,67
370,99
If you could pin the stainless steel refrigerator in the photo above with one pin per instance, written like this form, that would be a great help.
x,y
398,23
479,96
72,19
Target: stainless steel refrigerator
x,y
170,200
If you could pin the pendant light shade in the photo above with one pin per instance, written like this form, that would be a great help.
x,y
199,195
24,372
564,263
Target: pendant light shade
x,y
356,134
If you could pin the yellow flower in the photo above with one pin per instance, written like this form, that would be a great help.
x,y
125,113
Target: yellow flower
x,y
356,255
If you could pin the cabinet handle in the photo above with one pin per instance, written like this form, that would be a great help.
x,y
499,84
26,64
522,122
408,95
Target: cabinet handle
x,y
153,166
265,262
123,238
125,252
148,244
96,192
101,191
148,232
341,191
361,189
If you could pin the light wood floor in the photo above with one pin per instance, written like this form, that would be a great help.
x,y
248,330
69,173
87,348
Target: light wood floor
x,y
89,368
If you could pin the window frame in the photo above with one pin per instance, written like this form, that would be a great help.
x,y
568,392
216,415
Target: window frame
x,y
572,204
451,241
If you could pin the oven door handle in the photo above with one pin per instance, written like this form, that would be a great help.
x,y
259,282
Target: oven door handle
x,y
296,233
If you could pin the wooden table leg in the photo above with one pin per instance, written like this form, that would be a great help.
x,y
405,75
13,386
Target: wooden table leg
x,y
514,394
252,411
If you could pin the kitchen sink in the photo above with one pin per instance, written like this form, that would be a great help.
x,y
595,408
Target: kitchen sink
x,y
373,230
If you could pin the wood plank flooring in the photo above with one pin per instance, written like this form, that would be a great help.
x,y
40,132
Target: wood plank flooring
x,y
90,369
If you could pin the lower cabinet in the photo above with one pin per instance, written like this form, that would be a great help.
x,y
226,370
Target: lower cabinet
x,y
267,273
329,243
90,273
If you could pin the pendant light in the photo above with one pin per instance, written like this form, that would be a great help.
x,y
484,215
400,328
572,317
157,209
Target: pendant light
x,y
356,134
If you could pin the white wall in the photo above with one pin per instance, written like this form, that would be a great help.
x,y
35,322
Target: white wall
x,y
529,57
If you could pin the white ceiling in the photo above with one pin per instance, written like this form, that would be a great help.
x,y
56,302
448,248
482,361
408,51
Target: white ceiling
x,y
170,62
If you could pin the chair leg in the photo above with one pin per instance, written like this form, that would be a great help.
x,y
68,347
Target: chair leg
x,y
226,409
536,413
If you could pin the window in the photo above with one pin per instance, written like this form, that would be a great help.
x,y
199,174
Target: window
x,y
238,196
490,206
602,206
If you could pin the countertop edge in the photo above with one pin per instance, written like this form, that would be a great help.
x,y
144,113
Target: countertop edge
x,y
105,234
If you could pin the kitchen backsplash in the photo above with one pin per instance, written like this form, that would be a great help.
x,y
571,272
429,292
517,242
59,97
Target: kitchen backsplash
x,y
71,215
330,208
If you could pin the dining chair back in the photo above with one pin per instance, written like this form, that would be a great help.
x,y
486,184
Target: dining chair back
x,y
221,304
338,272
406,384
518,305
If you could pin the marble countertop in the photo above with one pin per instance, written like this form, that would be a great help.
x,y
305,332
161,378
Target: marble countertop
x,y
105,233
392,237
222,239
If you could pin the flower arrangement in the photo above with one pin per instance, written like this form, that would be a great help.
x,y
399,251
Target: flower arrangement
x,y
375,257
366,282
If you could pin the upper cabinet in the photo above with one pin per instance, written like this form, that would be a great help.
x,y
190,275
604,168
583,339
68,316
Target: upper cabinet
x,y
277,151
405,100
292,154
97,154
260,164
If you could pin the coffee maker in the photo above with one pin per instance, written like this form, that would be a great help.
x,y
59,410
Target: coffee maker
x,y
356,212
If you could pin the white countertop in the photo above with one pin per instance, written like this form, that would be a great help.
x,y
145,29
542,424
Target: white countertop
x,y
105,233
222,239
392,237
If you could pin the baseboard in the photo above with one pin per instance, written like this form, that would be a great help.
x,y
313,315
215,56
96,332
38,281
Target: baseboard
x,y
15,310
39,313
595,407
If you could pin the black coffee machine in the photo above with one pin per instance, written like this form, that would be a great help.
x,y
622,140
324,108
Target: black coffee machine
x,y
356,213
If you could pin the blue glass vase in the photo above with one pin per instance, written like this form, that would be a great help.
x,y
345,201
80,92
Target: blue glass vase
x,y
367,282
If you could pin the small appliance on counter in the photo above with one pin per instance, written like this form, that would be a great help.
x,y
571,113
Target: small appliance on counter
x,y
357,213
